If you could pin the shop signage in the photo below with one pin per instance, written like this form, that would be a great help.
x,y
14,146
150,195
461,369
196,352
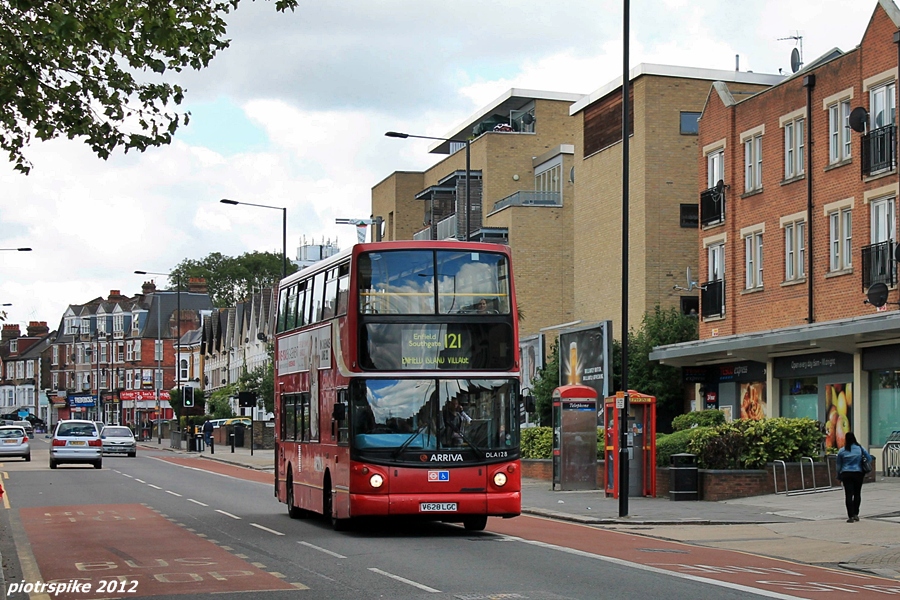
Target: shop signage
x,y
76,401
143,395
807,365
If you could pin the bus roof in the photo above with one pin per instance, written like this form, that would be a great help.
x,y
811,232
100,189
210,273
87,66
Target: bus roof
x,y
357,249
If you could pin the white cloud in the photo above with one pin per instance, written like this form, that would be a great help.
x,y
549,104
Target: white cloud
x,y
324,84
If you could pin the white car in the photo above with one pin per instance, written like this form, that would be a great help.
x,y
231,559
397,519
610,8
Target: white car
x,y
14,442
117,439
76,441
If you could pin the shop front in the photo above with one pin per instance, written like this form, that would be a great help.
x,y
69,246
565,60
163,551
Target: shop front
x,y
737,389
818,386
881,365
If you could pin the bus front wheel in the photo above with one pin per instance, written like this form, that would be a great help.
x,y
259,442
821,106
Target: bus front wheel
x,y
476,523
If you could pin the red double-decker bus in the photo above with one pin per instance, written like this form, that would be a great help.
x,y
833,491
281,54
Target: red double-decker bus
x,y
397,384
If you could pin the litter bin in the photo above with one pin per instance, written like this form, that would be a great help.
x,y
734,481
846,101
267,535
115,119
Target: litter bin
x,y
198,442
685,477
239,435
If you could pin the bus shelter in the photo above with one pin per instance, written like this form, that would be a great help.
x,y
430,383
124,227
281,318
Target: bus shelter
x,y
641,439
575,438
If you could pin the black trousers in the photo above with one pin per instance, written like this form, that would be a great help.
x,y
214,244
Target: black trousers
x,y
853,482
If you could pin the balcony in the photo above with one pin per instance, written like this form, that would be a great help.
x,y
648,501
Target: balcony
x,y
712,207
712,298
446,229
529,198
878,152
878,264
424,234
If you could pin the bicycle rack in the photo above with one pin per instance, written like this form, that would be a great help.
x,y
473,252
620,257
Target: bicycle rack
x,y
890,456
803,489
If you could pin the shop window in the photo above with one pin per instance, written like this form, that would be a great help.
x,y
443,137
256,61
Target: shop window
x,y
800,398
884,405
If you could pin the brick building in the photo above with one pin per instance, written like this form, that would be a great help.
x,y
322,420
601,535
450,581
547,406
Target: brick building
x,y
25,373
784,328
124,348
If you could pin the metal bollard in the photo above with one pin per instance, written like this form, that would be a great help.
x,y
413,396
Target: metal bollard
x,y
232,443
212,445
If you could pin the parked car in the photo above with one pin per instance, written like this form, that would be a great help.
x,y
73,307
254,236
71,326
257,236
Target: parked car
x,y
218,422
76,441
245,421
117,439
26,425
14,442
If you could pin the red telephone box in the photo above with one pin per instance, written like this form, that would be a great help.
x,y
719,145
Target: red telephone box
x,y
641,444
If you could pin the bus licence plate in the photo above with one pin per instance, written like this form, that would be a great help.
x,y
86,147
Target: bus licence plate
x,y
437,507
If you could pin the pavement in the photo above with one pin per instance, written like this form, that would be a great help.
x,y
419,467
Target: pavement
x,y
807,528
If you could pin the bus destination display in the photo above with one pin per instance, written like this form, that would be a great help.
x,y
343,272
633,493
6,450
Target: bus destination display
x,y
390,346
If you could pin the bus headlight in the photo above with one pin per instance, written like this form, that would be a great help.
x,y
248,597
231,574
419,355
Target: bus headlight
x,y
499,478
376,480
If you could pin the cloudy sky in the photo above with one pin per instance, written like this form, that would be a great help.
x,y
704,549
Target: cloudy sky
x,y
294,113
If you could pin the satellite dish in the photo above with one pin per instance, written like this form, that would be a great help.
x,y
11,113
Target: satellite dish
x,y
857,119
877,294
528,118
795,60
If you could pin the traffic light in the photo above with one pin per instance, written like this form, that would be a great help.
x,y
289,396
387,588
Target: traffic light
x,y
188,397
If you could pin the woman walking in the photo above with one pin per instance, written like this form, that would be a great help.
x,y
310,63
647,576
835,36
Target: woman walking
x,y
850,473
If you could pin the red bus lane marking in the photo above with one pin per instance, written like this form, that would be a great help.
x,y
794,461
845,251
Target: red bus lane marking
x,y
213,466
773,577
132,545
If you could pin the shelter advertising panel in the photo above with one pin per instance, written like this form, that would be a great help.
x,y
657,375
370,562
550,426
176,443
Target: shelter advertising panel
x,y
584,357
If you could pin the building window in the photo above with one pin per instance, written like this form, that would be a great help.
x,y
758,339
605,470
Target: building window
x,y
690,216
883,220
753,163
884,402
183,369
753,260
690,123
54,355
29,369
840,235
157,350
159,379
794,250
793,148
548,177
839,140
129,353
882,103
101,324
118,323
715,167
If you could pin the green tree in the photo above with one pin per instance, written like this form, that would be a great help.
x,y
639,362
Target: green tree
x,y
219,403
261,382
96,70
659,327
232,279
545,382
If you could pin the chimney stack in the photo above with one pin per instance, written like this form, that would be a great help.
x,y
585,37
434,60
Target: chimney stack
x,y
148,288
37,328
10,332
197,285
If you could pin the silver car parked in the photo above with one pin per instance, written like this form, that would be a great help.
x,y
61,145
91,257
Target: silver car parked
x,y
14,442
76,441
118,440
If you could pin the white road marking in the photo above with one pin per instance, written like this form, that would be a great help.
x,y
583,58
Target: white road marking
x,y
197,502
625,563
227,514
266,529
127,475
405,580
139,480
156,487
334,554
173,493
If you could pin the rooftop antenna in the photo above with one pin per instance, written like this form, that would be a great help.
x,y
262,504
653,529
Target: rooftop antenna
x,y
796,56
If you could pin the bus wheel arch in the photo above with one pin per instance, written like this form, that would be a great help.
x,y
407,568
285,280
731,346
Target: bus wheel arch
x,y
328,505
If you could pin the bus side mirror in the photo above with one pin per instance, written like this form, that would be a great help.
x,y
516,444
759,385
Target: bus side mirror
x,y
339,412
529,404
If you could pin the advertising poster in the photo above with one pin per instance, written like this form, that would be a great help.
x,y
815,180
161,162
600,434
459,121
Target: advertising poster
x,y
753,401
531,357
584,357
838,404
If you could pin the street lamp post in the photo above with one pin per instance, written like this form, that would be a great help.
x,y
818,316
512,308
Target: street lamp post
x,y
283,210
15,249
397,134
177,347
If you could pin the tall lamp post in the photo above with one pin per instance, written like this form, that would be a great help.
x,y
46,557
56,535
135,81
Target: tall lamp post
x,y
283,210
177,346
15,249
397,134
